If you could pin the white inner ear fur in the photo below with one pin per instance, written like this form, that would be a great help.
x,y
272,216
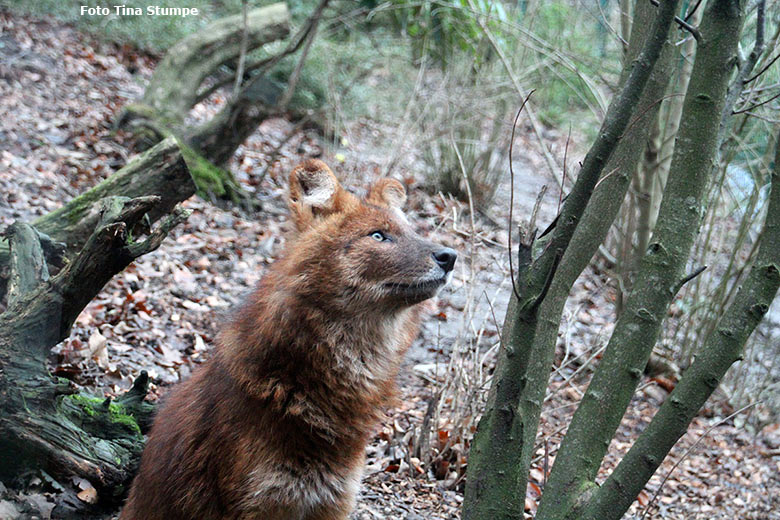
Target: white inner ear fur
x,y
394,197
318,189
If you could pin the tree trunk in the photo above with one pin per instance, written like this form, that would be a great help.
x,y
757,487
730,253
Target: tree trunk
x,y
175,88
660,274
713,359
44,423
218,138
502,448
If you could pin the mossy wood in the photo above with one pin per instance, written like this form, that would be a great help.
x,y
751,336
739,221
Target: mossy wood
x,y
175,88
161,171
44,422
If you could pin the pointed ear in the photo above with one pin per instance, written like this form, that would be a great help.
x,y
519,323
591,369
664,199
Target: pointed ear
x,y
389,193
314,192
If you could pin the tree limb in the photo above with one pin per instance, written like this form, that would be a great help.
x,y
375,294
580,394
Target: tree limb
x,y
636,331
501,451
615,122
263,65
173,88
712,361
160,171
43,423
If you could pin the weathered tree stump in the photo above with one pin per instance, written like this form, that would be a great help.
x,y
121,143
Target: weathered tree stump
x,y
44,422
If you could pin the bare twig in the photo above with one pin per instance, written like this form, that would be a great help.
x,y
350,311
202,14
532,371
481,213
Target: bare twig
x,y
605,177
563,180
648,107
744,69
756,105
763,69
683,24
688,278
512,194
535,212
692,11
516,83
242,52
265,64
688,452
292,82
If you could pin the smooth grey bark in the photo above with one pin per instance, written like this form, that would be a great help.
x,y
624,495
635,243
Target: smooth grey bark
x,y
661,272
502,448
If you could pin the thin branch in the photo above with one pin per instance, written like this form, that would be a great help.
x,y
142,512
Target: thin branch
x,y
647,108
512,195
263,65
242,51
688,278
563,180
535,211
292,81
688,452
605,177
534,304
683,24
735,89
692,11
751,107
763,69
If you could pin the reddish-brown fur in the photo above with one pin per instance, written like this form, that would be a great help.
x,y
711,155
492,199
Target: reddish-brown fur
x,y
274,426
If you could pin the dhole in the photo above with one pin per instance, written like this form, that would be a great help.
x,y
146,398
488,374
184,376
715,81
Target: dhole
x,y
274,426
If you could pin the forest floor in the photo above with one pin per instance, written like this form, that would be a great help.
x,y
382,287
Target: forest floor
x,y
59,93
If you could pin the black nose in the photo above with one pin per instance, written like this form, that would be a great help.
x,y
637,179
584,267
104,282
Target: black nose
x,y
446,258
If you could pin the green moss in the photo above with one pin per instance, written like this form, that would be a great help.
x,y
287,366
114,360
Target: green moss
x,y
118,415
95,410
210,180
87,404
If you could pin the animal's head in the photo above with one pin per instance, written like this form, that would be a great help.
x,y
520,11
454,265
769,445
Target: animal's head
x,y
360,252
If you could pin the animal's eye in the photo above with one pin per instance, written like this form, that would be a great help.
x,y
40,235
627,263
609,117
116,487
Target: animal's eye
x,y
378,236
